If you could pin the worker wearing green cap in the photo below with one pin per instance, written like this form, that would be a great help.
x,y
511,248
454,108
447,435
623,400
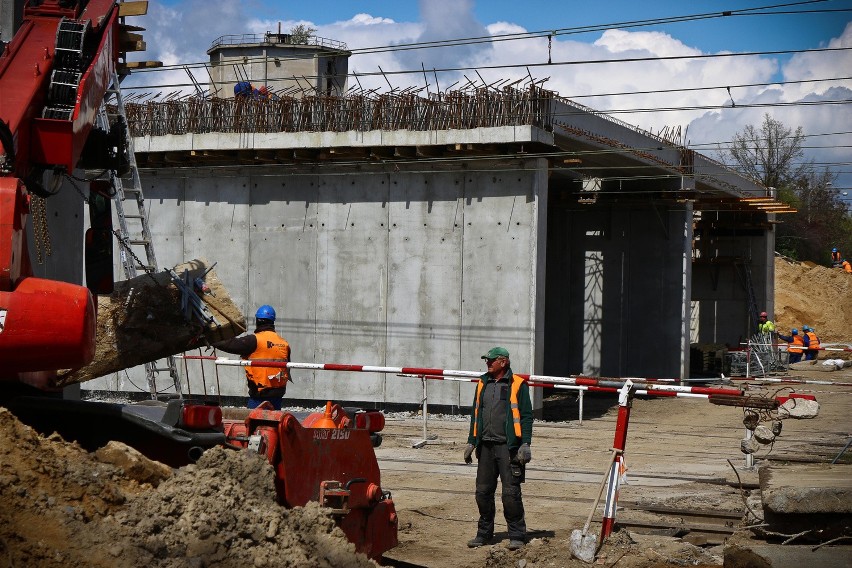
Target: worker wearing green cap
x,y
500,432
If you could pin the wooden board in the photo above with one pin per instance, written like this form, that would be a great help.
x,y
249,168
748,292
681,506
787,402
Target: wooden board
x,y
139,8
141,321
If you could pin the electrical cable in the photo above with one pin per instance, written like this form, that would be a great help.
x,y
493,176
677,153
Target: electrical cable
x,y
615,94
550,33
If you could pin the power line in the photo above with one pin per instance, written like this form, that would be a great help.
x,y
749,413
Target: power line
x,y
688,89
532,64
625,93
558,31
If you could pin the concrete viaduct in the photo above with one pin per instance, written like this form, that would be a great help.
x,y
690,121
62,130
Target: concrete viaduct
x,y
578,242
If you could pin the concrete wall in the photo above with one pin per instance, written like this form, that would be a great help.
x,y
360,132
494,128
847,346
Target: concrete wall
x,y
279,68
411,268
11,14
618,291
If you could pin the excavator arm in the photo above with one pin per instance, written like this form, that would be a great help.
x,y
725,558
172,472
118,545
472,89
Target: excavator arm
x,y
54,75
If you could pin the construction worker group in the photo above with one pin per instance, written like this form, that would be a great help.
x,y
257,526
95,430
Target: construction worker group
x,y
806,343
837,261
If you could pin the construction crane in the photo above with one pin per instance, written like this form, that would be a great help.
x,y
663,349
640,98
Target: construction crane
x,y
53,75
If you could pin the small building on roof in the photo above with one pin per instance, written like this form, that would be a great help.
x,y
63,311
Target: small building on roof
x,y
285,63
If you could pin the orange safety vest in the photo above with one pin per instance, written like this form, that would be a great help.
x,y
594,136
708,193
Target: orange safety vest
x,y
517,381
799,342
847,267
269,347
814,344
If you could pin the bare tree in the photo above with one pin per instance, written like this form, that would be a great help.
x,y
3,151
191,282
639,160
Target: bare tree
x,y
773,156
769,155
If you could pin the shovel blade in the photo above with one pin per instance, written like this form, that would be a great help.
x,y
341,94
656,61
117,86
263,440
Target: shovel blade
x,y
583,545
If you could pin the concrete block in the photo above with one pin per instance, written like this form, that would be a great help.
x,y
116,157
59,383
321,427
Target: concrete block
x,y
798,408
807,488
812,499
765,555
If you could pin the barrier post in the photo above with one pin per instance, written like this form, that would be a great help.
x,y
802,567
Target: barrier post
x,y
625,401
580,397
426,437
749,458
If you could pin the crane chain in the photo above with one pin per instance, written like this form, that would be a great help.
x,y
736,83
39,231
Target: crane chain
x,y
41,231
126,246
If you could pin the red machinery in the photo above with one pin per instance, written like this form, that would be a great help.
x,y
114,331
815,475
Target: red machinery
x,y
53,77
327,458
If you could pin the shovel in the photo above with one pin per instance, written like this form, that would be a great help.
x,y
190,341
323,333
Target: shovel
x,y
583,543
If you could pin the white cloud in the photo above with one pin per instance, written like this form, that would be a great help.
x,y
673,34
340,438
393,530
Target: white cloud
x,y
368,20
174,38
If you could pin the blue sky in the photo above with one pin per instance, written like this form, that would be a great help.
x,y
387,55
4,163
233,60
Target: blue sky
x,y
179,31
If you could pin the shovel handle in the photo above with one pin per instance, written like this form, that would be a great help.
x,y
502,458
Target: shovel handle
x,y
615,452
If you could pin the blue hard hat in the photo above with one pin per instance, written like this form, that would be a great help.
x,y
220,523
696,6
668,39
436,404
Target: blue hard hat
x,y
834,250
805,328
795,331
265,312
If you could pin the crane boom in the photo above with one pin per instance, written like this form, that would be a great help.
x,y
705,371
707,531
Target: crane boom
x,y
54,75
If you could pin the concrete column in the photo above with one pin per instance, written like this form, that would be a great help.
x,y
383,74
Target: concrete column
x,y
11,15
686,289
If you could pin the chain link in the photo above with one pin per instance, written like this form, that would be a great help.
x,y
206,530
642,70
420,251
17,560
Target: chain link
x,y
126,246
41,232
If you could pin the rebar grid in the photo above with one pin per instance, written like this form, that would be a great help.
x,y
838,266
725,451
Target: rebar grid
x,y
460,109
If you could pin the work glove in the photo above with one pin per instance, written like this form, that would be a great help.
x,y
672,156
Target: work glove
x,y
468,452
524,453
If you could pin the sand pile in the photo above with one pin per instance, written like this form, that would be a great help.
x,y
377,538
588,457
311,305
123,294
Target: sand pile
x,y
821,297
61,506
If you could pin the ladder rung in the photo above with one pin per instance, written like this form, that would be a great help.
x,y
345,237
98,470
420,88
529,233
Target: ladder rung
x,y
140,242
131,190
133,216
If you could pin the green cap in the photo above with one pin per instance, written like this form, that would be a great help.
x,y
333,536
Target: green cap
x,y
495,352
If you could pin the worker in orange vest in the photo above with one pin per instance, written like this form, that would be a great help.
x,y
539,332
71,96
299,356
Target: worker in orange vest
x,y
265,384
846,266
796,347
835,257
811,343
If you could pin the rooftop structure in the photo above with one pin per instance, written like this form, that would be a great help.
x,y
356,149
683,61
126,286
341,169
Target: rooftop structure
x,y
287,64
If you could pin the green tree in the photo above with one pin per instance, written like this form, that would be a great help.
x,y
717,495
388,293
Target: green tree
x,y
822,221
301,34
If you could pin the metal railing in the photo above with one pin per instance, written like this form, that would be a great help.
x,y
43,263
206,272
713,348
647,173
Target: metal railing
x,y
276,39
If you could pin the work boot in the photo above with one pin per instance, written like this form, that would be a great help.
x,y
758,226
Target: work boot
x,y
515,544
478,541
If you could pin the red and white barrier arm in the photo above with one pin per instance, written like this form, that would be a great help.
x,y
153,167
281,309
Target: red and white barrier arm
x,y
589,388
791,381
598,383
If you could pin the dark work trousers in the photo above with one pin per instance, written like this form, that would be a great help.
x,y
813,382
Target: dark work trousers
x,y
495,461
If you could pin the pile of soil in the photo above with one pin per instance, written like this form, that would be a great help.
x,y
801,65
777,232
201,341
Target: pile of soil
x,y
814,295
61,506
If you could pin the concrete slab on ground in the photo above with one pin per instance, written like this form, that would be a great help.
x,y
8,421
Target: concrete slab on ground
x,y
807,488
747,554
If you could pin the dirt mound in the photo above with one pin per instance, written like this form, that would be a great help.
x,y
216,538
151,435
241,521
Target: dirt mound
x,y
62,506
821,297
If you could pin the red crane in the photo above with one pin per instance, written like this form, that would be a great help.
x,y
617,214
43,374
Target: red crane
x,y
53,78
